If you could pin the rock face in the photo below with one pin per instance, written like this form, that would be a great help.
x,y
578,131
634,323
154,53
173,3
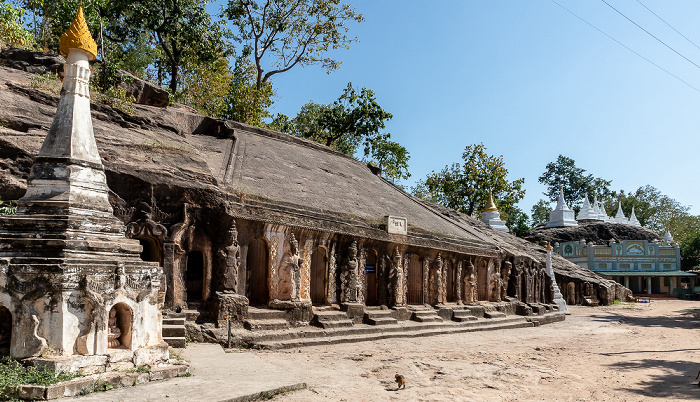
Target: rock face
x,y
31,61
144,92
310,223
592,233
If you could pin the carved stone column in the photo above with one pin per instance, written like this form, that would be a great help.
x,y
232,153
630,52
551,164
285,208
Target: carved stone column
x,y
305,278
332,281
361,287
426,279
439,279
398,286
458,283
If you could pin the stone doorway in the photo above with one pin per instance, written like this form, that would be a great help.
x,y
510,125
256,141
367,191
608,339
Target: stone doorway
x,y
449,281
370,269
194,276
415,280
119,326
258,292
151,249
319,273
5,331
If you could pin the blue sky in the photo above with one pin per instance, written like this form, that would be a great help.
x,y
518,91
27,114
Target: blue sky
x,y
530,81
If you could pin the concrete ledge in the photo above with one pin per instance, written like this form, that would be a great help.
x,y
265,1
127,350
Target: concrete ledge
x,y
96,383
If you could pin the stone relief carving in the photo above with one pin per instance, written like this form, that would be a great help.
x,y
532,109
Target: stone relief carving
x,y
505,277
361,286
289,272
230,255
305,275
470,283
349,284
332,297
458,283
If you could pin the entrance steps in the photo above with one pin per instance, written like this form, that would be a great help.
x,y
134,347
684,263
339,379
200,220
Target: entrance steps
x,y
427,314
174,330
262,319
494,314
462,314
379,317
313,336
331,319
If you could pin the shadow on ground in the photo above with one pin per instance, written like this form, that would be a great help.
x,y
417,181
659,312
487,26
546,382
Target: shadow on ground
x,y
685,321
677,380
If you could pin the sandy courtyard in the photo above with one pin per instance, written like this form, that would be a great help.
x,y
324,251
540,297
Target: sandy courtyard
x,y
618,353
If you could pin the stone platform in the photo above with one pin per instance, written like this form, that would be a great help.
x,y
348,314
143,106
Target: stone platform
x,y
313,336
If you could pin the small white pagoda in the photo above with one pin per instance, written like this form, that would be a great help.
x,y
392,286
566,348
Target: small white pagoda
x,y
491,215
562,215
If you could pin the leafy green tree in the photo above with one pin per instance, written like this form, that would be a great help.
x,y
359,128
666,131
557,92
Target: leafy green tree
x,y
563,173
181,29
205,86
516,220
12,29
287,33
466,187
540,213
690,252
354,120
246,103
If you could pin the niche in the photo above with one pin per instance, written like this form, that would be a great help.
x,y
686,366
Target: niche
x,y
5,330
119,327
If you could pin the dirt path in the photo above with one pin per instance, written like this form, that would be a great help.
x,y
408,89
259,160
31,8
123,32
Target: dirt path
x,y
619,353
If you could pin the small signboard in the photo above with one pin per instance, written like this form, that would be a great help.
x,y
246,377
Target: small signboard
x,y
370,268
396,225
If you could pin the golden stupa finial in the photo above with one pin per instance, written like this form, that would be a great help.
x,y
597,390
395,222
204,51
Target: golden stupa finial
x,y
78,37
490,206
549,246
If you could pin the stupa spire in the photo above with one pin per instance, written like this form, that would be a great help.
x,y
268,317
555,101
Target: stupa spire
x,y
491,215
78,37
490,205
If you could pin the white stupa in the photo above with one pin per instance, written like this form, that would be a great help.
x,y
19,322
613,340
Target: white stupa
x,y
668,237
587,212
491,215
620,216
603,213
633,219
561,216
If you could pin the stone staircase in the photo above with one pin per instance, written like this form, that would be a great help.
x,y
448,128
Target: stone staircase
x,y
328,318
494,314
174,330
262,319
462,314
314,336
378,317
425,314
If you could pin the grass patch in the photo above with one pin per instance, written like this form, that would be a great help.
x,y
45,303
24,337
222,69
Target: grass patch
x,y
8,207
144,368
13,373
99,386
50,83
187,374
117,98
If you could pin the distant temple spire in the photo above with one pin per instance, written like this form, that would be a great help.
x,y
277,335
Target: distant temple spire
x,y
561,215
620,216
633,219
491,215
587,213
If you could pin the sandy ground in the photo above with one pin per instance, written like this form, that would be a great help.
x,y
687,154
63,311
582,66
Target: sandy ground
x,y
618,353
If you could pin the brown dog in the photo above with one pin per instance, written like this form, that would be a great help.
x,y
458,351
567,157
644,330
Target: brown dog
x,y
400,381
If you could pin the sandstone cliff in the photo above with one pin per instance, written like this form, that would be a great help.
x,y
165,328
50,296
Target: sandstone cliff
x,y
167,157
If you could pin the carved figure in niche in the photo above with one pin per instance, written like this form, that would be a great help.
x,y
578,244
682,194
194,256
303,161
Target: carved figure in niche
x,y
290,275
114,331
401,286
514,287
230,254
529,283
505,277
497,284
348,273
119,276
470,284
438,276
458,281
543,284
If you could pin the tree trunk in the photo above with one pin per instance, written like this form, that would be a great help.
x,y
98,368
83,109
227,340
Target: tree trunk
x,y
174,71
